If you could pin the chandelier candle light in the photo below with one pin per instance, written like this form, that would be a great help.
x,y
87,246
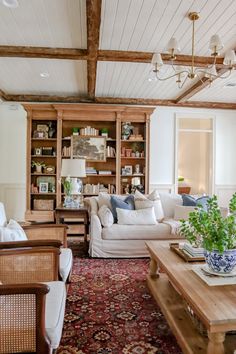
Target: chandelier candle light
x,y
182,74
71,169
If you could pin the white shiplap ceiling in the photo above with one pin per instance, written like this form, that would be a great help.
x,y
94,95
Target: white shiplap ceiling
x,y
67,77
131,80
126,25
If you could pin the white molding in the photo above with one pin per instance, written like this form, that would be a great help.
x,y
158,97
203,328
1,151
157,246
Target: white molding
x,y
224,193
13,196
169,188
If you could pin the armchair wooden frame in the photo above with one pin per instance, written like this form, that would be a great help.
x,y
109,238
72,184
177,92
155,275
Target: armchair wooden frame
x,y
10,295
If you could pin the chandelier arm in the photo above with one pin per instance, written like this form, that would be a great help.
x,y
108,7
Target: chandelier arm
x,y
180,86
215,76
169,77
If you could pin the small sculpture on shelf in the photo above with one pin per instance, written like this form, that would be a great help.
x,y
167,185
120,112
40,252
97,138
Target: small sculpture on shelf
x,y
127,130
51,130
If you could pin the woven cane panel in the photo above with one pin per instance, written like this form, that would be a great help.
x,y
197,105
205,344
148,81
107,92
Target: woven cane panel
x,y
45,234
27,268
17,323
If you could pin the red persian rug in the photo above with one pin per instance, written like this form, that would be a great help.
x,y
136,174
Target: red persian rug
x,y
110,311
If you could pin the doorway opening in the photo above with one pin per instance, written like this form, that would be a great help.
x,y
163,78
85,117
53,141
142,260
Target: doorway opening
x,y
194,156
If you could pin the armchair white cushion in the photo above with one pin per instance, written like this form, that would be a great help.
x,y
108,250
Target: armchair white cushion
x,y
3,218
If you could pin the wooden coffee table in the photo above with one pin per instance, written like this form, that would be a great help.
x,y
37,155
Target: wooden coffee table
x,y
215,306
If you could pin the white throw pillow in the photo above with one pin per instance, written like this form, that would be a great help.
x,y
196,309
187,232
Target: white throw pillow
x,y
105,216
136,217
152,200
12,232
169,201
104,199
182,212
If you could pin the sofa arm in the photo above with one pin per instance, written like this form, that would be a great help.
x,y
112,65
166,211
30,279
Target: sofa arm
x,y
95,227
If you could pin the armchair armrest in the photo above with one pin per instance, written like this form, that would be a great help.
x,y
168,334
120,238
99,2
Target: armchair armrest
x,y
95,227
33,243
22,318
47,232
27,265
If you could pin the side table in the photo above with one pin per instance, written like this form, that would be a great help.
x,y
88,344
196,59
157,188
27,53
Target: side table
x,y
62,213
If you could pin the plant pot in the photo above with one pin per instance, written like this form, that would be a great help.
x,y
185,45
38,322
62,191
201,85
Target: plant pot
x,y
221,262
39,169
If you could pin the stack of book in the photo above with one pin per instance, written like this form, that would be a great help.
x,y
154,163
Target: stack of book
x,y
193,251
105,172
91,171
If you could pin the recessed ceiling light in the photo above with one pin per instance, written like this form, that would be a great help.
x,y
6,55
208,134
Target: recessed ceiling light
x,y
230,85
10,3
44,75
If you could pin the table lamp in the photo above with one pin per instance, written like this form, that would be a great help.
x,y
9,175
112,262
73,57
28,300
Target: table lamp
x,y
71,169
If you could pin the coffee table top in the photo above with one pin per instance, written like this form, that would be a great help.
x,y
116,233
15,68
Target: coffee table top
x,y
215,306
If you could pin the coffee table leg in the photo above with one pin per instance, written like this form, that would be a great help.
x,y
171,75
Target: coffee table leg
x,y
216,343
153,268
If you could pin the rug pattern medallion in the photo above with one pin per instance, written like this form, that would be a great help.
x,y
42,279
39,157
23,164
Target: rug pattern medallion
x,y
110,311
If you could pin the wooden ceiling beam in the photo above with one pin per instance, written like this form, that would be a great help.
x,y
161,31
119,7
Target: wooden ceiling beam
x,y
43,52
198,86
93,10
146,57
158,102
121,100
101,55
3,95
48,98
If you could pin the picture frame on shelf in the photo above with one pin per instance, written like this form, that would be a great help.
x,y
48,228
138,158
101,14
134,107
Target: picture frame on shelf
x,y
42,128
89,148
40,134
128,170
38,151
43,187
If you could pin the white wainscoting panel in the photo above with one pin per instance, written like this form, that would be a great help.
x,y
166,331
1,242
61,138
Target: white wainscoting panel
x,y
169,188
13,196
224,194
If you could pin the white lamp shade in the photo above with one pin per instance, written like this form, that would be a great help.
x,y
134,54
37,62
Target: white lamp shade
x,y
73,168
157,59
215,43
173,45
230,58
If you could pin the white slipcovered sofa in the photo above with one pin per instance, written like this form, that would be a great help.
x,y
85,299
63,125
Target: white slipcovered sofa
x,y
129,240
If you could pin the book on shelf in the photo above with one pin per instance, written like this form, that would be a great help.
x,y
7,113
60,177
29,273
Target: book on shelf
x,y
105,172
91,171
89,131
96,188
66,151
110,152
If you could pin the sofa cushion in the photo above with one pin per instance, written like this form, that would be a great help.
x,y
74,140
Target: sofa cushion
x,y
65,263
135,232
182,212
12,232
136,217
169,201
189,200
147,201
127,203
54,312
105,216
104,199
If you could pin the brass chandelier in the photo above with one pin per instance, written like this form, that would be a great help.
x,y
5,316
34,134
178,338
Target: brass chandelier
x,y
182,74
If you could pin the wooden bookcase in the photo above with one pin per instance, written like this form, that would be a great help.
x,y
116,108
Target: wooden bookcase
x,y
52,147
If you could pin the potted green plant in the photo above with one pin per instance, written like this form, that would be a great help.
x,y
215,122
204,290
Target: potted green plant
x,y
215,233
38,165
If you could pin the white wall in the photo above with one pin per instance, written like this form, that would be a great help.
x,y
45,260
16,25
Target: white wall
x,y
162,169
13,159
162,162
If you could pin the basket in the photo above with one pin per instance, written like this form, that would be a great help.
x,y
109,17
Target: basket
x,y
43,204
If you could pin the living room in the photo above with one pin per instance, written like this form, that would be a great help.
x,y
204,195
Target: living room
x,y
105,55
